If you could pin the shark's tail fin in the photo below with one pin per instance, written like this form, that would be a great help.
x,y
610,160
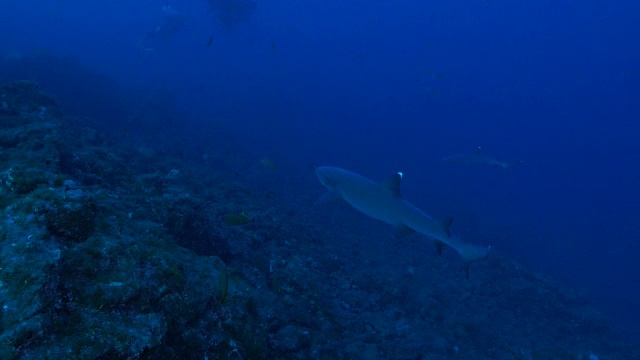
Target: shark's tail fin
x,y
468,252
471,252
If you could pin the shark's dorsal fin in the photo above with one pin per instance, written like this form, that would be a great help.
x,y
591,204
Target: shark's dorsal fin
x,y
393,184
478,150
446,224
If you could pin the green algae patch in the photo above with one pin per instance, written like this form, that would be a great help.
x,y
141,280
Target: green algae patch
x,y
27,180
72,221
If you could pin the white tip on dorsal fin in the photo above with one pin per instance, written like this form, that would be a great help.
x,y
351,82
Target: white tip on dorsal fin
x,y
393,184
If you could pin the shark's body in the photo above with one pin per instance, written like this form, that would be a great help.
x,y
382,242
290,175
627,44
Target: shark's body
x,y
478,158
384,202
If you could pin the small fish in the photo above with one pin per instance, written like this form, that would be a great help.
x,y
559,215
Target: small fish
x,y
478,158
238,219
268,163
437,75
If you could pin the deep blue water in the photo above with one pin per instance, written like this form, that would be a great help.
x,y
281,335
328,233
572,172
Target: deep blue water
x,y
380,86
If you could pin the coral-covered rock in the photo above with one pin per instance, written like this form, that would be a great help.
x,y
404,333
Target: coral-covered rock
x,y
72,221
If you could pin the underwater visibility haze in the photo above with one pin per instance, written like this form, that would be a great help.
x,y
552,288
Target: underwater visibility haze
x,y
161,161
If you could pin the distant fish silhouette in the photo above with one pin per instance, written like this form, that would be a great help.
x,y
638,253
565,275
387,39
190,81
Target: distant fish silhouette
x,y
478,158
210,41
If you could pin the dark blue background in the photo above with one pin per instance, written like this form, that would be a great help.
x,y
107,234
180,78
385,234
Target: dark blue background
x,y
380,86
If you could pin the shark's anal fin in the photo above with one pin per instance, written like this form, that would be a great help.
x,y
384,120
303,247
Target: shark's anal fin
x,y
446,224
402,231
439,247
393,184
328,197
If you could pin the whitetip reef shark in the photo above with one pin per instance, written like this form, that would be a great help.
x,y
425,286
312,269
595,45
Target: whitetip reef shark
x,y
478,158
384,202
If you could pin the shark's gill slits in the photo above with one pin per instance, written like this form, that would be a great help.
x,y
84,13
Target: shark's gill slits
x,y
332,183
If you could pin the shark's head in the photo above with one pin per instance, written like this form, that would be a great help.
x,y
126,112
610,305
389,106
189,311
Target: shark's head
x,y
329,176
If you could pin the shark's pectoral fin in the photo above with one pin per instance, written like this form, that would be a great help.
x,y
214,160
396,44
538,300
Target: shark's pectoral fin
x,y
402,231
328,197
446,224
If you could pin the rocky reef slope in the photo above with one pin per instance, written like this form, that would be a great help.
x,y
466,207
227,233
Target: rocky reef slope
x,y
108,251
